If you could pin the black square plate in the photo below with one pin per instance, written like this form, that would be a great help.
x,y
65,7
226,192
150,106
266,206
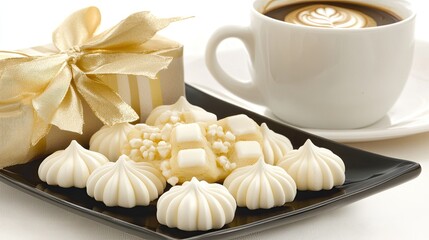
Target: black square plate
x,y
366,174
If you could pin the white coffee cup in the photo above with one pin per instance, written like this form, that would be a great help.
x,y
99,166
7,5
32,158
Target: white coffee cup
x,y
329,78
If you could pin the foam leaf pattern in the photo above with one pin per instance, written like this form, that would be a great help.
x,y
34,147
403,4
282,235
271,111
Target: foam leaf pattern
x,y
330,16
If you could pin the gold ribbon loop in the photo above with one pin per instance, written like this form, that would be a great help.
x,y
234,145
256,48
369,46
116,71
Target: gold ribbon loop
x,y
28,78
77,29
47,103
130,32
69,115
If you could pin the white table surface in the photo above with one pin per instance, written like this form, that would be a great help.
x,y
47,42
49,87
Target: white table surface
x,y
398,213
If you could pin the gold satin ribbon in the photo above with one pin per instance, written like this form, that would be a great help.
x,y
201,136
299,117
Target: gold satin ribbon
x,y
56,84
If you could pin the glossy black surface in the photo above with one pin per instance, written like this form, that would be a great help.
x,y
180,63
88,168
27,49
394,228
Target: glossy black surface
x,y
366,174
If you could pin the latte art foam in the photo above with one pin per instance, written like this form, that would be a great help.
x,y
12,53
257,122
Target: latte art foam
x,y
328,16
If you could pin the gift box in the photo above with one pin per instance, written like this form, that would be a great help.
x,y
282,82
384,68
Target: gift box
x,y
52,94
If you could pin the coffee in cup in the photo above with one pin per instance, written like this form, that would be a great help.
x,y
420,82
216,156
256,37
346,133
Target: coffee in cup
x,y
330,65
333,14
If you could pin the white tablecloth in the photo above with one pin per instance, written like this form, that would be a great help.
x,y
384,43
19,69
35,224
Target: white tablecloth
x,y
398,213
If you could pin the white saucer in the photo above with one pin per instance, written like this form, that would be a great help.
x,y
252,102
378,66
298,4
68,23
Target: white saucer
x,y
410,115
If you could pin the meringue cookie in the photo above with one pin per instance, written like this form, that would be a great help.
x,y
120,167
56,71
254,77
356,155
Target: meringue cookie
x,y
70,167
109,140
314,168
275,146
261,185
180,112
125,183
196,206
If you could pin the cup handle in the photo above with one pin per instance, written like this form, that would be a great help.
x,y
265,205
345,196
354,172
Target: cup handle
x,y
246,89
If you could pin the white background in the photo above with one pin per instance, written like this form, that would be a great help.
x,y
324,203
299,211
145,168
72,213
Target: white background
x,y
398,213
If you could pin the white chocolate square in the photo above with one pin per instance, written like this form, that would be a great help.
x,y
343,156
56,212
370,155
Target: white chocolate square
x,y
192,158
248,150
186,133
241,125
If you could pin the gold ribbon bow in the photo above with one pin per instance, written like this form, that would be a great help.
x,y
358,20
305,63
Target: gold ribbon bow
x,y
54,84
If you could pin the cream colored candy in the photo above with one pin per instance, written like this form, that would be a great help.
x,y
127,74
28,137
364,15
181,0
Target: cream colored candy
x,y
275,146
189,135
222,146
196,206
191,156
243,127
222,143
243,141
261,186
314,168
206,150
126,183
246,153
180,112
148,144
110,139
70,167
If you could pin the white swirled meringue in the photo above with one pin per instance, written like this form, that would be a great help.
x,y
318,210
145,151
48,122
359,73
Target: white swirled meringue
x,y
125,183
261,185
70,167
275,146
314,168
196,206
329,16
180,112
109,140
